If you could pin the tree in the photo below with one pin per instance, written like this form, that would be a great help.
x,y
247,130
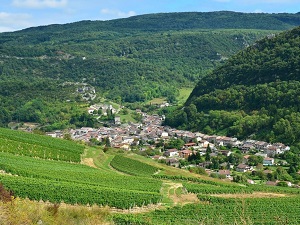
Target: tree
x,y
240,178
254,160
235,158
215,163
106,142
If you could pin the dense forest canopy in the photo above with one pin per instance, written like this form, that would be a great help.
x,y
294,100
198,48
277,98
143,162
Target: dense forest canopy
x,y
254,94
154,55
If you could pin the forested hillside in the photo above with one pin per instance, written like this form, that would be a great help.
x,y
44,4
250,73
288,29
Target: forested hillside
x,y
254,94
154,55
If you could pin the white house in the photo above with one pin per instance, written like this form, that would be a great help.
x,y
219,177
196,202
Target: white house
x,y
268,161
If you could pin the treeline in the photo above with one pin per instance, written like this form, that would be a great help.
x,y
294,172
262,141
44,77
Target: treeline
x,y
180,21
254,94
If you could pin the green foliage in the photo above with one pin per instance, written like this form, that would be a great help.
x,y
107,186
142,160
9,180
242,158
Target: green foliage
x,y
213,189
132,166
254,93
44,147
229,211
174,143
56,192
42,179
240,178
142,53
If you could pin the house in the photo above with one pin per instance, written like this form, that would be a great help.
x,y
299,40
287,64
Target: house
x,y
164,134
171,152
271,151
260,145
243,168
188,145
204,164
172,162
225,141
268,161
128,140
246,147
185,153
245,159
211,139
224,172
282,147
118,120
203,143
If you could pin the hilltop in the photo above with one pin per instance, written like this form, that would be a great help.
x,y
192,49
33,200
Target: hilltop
x,y
255,94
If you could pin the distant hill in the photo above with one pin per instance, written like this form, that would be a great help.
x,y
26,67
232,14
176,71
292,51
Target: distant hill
x,y
254,94
154,55
182,21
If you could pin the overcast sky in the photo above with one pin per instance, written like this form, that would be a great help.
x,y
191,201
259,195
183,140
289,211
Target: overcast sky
x,y
20,14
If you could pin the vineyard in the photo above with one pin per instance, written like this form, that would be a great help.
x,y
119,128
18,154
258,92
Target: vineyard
x,y
43,168
21,143
42,179
230,211
131,166
77,193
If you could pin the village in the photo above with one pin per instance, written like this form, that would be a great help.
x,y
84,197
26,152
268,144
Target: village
x,y
150,132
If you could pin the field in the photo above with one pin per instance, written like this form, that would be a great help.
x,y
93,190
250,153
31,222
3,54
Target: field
x,y
184,93
123,188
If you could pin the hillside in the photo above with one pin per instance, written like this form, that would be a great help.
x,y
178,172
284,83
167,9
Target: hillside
x,y
123,188
254,94
139,53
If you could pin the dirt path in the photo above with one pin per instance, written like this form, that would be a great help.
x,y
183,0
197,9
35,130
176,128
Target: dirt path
x,y
89,162
179,196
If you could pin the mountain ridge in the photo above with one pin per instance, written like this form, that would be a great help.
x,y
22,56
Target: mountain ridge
x,y
253,95
122,55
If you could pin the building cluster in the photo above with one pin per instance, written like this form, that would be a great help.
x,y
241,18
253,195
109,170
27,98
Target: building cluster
x,y
150,132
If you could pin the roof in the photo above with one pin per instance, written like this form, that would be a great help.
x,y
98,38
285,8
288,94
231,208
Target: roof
x,y
268,159
225,172
242,166
172,150
190,144
186,151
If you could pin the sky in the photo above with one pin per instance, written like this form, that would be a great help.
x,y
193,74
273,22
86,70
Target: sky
x,y
20,14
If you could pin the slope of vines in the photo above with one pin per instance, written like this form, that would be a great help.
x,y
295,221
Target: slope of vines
x,y
58,181
131,166
22,143
213,210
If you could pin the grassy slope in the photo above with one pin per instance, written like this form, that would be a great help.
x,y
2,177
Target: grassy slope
x,y
174,197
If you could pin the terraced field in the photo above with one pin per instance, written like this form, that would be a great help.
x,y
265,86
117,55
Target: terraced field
x,y
137,190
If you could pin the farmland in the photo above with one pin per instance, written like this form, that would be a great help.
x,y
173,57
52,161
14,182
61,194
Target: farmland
x,y
123,181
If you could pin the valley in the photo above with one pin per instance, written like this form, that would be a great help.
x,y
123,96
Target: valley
x,y
167,118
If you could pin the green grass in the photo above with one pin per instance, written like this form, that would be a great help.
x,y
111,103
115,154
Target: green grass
x,y
156,101
184,93
166,201
127,118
